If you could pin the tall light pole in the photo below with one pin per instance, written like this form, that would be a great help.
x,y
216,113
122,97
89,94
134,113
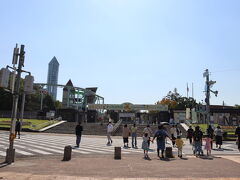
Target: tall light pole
x,y
15,87
10,151
209,84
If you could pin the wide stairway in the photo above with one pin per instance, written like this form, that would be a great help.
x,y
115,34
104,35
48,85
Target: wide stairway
x,y
98,129
88,128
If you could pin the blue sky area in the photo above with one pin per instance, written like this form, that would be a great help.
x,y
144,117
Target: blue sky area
x,y
133,50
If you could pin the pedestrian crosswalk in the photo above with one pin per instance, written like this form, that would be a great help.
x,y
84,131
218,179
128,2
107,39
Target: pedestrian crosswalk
x,y
45,144
32,144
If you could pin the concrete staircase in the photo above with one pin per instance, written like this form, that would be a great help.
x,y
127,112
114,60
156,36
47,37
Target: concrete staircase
x,y
98,129
93,129
88,128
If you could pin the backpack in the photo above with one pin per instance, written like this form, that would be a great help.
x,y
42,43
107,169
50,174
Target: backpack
x,y
210,132
197,136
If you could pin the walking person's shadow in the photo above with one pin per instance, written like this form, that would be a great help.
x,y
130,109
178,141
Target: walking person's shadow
x,y
3,164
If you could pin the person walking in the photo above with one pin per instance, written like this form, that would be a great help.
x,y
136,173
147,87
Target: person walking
x,y
161,135
190,134
134,136
210,133
197,140
218,135
145,146
109,133
208,144
149,131
179,144
125,135
173,132
18,128
179,132
78,132
237,132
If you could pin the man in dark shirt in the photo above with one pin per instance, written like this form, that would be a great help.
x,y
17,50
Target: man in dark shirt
x,y
237,132
78,132
18,128
190,134
161,135
197,138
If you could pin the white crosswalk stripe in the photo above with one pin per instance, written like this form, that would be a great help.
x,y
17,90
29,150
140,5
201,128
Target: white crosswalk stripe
x,y
2,153
83,149
20,152
83,145
31,144
30,149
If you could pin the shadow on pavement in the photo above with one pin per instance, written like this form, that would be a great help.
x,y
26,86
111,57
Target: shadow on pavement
x,y
167,159
223,149
206,157
3,164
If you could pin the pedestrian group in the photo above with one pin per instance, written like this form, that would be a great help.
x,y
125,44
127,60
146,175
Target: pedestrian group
x,y
195,138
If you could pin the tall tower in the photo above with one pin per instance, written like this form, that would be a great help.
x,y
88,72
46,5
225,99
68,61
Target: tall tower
x,y
52,78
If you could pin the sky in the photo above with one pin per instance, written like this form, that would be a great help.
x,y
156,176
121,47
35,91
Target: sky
x,y
132,50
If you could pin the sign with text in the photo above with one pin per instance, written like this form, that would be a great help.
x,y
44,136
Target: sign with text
x,y
129,107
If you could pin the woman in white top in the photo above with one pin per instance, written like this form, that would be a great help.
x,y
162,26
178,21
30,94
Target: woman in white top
x,y
147,130
173,132
218,135
109,132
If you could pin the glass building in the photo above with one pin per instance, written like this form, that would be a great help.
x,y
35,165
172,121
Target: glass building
x,y
53,67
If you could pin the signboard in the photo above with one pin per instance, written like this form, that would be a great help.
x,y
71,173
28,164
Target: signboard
x,y
128,107
194,117
50,114
188,113
123,115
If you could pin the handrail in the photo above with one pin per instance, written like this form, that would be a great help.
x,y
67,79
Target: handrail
x,y
116,126
187,122
42,124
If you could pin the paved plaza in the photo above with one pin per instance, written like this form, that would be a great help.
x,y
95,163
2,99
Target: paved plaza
x,y
39,156
131,166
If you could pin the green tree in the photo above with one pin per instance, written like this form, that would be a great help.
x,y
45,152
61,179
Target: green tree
x,y
5,100
58,104
48,103
175,101
237,106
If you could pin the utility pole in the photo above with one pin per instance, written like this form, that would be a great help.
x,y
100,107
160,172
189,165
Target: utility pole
x,y
209,84
207,100
192,91
10,151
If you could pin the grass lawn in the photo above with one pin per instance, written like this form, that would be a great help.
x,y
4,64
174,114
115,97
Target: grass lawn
x,y
34,124
230,130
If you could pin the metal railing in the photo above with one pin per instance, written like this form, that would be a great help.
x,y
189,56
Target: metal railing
x,y
116,126
42,125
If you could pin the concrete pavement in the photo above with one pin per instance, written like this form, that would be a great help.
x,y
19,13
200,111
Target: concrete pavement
x,y
131,166
225,164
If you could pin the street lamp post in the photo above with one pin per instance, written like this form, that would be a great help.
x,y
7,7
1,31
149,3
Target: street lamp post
x,y
10,151
209,84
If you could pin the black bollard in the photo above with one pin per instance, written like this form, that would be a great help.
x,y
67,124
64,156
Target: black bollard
x,y
168,152
117,153
67,153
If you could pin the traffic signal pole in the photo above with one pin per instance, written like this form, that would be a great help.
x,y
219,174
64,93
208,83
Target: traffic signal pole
x,y
11,151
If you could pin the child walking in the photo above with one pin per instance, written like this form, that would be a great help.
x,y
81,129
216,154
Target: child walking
x,y
145,146
179,144
208,141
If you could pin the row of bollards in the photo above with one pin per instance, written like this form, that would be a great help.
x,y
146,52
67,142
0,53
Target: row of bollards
x,y
117,153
